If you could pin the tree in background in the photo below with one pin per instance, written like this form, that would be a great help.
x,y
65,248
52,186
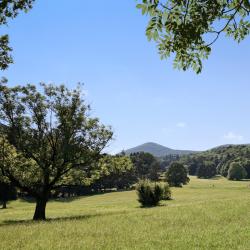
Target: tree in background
x,y
146,166
167,160
177,175
9,9
246,165
206,170
115,172
7,193
236,172
193,162
187,29
48,140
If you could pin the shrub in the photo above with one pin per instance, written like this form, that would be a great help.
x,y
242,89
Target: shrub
x,y
236,172
150,193
166,192
177,175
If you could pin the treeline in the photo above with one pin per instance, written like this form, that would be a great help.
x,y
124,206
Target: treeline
x,y
119,172
232,161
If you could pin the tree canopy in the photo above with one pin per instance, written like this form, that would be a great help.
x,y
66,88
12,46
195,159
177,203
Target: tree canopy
x,y
48,139
236,172
115,172
146,166
177,175
207,169
187,29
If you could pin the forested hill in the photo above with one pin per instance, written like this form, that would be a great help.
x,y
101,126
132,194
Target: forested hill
x,y
219,158
157,150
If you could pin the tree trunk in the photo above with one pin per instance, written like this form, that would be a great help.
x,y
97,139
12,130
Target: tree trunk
x,y
40,209
4,205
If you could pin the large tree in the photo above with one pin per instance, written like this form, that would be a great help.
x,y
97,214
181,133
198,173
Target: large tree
x,y
187,29
9,9
54,139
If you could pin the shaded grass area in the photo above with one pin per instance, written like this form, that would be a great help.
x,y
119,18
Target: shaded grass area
x,y
206,214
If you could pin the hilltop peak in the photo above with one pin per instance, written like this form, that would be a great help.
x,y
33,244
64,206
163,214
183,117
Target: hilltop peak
x,y
156,149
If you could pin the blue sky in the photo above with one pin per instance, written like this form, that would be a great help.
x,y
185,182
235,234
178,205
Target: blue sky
x,y
103,44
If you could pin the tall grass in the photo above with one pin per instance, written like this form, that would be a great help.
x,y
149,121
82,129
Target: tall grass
x,y
206,214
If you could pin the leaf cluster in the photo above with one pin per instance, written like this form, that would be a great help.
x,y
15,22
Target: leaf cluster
x,y
187,29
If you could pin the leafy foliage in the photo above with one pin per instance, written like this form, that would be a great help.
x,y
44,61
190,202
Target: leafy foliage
x,y
236,172
206,170
166,191
151,193
9,9
176,175
115,172
146,166
220,158
168,159
189,28
54,139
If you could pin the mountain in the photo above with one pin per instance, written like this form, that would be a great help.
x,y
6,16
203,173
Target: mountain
x,y
157,150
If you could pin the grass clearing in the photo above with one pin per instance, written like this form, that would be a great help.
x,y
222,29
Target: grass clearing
x,y
206,214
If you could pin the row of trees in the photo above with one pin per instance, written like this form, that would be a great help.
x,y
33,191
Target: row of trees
x,y
218,161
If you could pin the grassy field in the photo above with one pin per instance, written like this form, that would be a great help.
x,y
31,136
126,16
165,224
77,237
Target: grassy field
x,y
206,214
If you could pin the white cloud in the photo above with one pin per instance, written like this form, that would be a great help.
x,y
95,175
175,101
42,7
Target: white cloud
x,y
233,137
181,125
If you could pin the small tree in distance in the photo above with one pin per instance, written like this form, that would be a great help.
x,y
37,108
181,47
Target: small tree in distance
x,y
177,175
236,172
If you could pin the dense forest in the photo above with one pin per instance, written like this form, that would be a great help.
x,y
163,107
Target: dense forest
x,y
217,161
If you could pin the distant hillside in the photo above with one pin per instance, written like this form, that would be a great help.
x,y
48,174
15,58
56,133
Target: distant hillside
x,y
157,150
228,146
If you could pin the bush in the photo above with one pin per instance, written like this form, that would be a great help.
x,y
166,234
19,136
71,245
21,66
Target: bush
x,y
166,192
236,172
150,193
177,175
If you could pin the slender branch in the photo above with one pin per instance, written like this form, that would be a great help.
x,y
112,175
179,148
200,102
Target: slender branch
x,y
232,17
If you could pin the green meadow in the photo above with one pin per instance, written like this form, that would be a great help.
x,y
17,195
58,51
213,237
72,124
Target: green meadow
x,y
206,214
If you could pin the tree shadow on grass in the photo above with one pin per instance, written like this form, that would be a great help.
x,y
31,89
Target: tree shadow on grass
x,y
155,206
60,219
74,198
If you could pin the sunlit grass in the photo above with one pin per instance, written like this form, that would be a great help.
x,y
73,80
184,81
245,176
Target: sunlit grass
x,y
206,214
